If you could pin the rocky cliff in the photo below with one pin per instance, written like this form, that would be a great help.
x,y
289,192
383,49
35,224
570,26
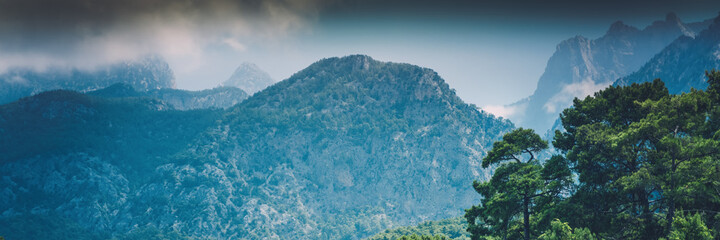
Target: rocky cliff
x,y
581,66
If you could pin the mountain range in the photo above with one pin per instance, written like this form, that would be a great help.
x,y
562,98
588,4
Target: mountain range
x,y
682,64
581,66
144,74
219,97
342,149
150,77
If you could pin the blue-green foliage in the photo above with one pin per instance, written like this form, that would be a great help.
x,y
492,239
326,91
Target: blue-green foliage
x,y
219,97
301,159
453,228
42,226
139,132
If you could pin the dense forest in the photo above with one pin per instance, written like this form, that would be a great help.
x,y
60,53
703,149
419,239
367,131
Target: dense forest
x,y
633,162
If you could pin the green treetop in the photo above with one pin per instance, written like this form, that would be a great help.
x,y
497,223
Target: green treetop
x,y
518,181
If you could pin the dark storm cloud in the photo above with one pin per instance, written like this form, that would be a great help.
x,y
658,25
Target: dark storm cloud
x,y
37,32
520,10
88,32
566,9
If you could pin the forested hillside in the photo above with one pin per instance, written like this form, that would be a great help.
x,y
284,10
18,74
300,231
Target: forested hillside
x,y
341,150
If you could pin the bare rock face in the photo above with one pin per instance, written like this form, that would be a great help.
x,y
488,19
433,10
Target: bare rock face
x,y
581,66
682,64
250,78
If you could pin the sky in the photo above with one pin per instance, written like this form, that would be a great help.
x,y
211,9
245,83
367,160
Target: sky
x,y
491,52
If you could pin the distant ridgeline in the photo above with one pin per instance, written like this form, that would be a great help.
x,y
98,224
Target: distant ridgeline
x,y
143,75
148,77
219,97
581,66
345,148
682,64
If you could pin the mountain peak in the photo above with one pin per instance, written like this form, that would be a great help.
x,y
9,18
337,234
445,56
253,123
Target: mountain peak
x,y
701,50
250,78
619,27
355,62
363,76
358,57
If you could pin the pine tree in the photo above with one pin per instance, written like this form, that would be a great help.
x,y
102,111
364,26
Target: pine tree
x,y
518,181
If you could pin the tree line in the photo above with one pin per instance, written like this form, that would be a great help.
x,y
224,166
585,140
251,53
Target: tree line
x,y
633,162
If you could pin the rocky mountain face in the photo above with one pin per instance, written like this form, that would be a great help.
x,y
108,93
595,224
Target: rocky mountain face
x,y
144,74
219,97
581,66
250,78
341,150
683,63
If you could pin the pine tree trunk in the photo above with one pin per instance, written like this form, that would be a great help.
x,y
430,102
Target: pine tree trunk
x,y
526,217
505,228
646,215
671,202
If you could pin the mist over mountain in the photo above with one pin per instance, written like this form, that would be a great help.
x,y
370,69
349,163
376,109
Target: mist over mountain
x,y
342,149
144,74
581,66
250,78
682,64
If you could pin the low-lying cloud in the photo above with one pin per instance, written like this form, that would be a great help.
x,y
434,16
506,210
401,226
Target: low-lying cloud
x,y
86,33
564,98
515,112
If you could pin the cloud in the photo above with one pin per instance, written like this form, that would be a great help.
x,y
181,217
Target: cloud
x,y
85,33
564,98
514,111
235,44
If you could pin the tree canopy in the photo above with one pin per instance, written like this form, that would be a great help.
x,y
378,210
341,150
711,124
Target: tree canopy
x,y
635,162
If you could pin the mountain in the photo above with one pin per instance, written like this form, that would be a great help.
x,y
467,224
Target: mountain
x,y
581,66
250,78
219,97
143,74
343,149
683,63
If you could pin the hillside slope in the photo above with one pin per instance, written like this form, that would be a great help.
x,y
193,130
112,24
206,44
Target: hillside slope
x,y
344,149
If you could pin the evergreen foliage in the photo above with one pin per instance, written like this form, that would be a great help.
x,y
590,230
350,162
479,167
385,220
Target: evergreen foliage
x,y
562,231
639,154
453,228
689,227
521,184
417,237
